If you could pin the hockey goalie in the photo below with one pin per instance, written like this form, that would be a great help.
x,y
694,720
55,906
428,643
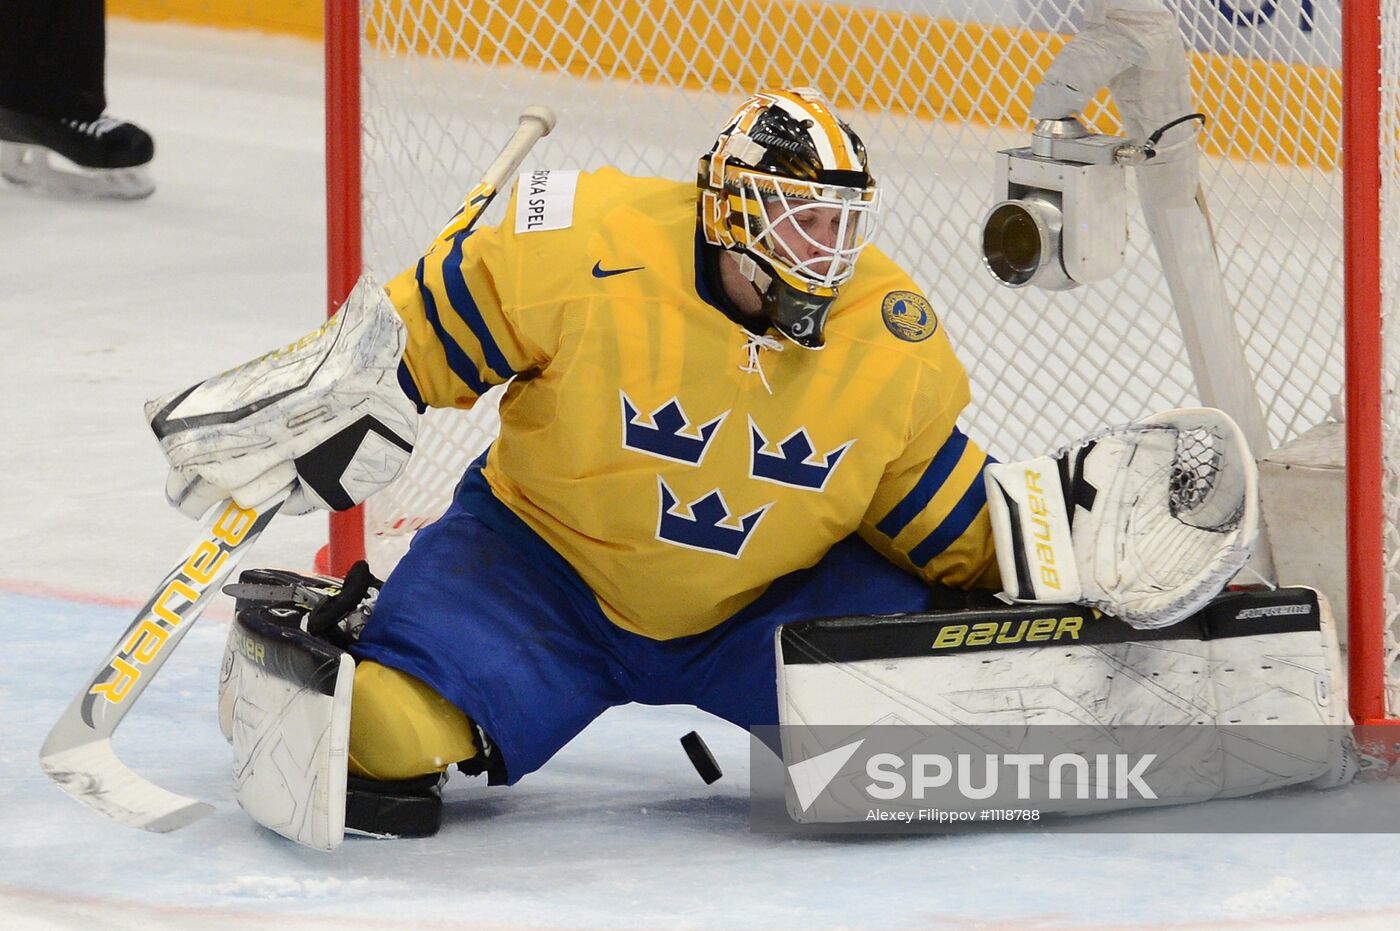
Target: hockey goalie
x,y
727,412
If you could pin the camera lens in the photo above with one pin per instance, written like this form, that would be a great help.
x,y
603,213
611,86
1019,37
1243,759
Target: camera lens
x,y
1021,242
1011,244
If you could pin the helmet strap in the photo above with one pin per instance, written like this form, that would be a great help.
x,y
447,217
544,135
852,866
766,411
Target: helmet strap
x,y
753,272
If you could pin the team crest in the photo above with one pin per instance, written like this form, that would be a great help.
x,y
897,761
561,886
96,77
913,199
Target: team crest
x,y
795,463
909,316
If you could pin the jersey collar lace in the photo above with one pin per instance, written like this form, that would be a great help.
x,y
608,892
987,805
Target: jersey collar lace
x,y
754,344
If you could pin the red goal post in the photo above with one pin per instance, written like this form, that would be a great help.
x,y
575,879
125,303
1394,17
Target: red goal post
x,y
1367,507
1295,202
344,247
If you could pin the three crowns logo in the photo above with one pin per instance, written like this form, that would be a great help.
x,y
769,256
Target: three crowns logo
x,y
795,463
669,435
708,523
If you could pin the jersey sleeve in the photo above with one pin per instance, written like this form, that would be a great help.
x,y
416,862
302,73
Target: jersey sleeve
x,y
929,512
460,305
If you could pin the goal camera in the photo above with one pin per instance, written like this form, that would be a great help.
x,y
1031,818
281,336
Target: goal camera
x,y
1061,217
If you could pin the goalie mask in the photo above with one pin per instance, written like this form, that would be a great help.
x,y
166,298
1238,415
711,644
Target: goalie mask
x,y
787,190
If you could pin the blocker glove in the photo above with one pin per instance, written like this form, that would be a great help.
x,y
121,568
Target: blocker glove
x,y
324,415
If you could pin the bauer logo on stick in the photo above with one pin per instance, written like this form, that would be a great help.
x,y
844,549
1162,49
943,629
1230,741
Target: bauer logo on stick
x,y
153,627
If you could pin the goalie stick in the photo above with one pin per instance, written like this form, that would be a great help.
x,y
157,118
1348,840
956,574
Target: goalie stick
x,y
78,754
535,123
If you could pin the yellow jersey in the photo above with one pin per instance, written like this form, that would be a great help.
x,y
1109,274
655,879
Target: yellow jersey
x,y
679,463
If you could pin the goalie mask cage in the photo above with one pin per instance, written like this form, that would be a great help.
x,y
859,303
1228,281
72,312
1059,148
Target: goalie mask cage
x,y
1300,150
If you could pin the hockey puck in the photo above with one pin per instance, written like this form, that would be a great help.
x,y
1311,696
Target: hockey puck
x,y
701,757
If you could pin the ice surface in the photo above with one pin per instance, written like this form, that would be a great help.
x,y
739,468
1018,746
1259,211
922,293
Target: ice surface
x,y
105,305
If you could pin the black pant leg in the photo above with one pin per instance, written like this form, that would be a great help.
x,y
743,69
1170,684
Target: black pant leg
x,y
53,57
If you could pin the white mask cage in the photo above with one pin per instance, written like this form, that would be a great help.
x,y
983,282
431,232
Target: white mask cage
x,y
812,232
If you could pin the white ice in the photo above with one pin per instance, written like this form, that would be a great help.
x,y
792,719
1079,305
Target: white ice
x,y
105,305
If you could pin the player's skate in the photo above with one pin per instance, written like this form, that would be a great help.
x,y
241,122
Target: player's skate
x,y
284,703
106,157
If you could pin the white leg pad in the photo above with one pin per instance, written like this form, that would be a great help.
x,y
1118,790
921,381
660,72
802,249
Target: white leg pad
x,y
1248,659
288,700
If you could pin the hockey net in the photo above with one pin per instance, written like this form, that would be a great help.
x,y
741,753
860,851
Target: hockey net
x,y
935,90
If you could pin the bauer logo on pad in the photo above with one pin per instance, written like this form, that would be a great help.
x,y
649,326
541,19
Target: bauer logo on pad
x,y
544,200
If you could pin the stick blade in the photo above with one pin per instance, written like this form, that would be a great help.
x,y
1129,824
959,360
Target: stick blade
x,y
77,754
92,774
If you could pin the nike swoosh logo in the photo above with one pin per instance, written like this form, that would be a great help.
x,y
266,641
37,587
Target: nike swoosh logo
x,y
600,272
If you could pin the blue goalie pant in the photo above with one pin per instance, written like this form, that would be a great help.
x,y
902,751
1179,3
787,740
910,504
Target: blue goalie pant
x,y
496,621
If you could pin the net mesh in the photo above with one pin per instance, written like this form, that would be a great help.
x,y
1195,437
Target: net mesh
x,y
934,90
1390,365
1193,476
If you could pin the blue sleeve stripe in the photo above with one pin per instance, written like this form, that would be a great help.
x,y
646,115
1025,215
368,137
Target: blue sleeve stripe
x,y
457,360
927,486
460,297
409,388
954,525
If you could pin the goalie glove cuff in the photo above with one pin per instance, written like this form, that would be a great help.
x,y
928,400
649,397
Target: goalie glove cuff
x,y
1031,523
